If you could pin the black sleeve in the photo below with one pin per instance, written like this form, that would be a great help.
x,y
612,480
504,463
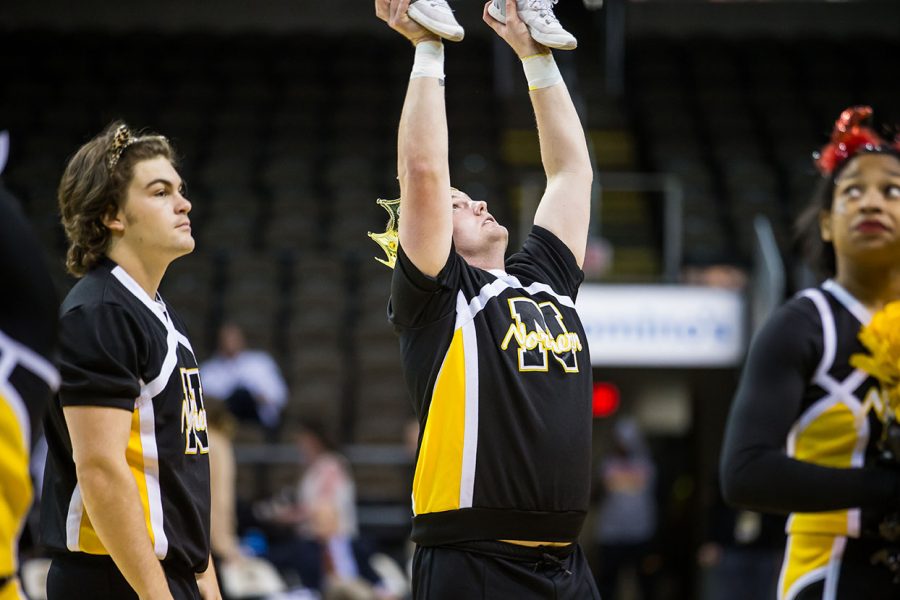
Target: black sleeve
x,y
544,257
417,299
101,350
755,471
28,306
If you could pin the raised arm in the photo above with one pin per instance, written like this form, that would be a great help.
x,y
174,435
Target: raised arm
x,y
565,206
426,226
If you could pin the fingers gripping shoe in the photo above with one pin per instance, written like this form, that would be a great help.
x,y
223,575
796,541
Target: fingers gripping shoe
x,y
542,23
437,17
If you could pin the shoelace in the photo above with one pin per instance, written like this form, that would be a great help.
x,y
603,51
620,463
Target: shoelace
x,y
545,9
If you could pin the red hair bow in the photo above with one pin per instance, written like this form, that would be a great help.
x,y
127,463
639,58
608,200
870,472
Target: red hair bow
x,y
851,136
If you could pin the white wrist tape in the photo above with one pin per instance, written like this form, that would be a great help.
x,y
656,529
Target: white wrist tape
x,y
541,71
429,61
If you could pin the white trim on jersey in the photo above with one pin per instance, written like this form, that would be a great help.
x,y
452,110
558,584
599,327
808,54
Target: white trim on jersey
x,y
16,404
147,418
834,568
144,405
856,308
803,581
829,335
829,574
157,307
15,354
470,433
836,392
73,520
513,282
504,281
11,395
465,315
31,360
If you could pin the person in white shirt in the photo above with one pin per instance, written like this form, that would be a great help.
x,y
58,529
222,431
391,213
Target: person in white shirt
x,y
249,382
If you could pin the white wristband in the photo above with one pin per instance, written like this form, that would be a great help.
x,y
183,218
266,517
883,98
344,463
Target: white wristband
x,y
429,61
541,71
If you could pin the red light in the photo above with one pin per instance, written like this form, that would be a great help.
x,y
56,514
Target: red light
x,y
606,400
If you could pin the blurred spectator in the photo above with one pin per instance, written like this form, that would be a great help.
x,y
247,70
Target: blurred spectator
x,y
222,482
742,555
248,381
725,276
324,549
626,521
240,573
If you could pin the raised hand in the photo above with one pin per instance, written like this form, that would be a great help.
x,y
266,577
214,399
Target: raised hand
x,y
514,32
393,12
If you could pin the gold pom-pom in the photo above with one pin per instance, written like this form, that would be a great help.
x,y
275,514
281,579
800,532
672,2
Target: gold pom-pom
x,y
881,337
389,240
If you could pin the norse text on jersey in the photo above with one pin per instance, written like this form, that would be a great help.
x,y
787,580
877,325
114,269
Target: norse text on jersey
x,y
538,330
193,413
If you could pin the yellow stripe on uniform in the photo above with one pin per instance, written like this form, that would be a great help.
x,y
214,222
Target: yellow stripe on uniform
x,y
806,560
15,485
436,484
134,454
830,441
88,539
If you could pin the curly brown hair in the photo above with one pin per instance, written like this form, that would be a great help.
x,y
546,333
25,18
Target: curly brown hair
x,y
91,189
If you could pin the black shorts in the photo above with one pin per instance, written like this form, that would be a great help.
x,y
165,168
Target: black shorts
x,y
79,576
496,570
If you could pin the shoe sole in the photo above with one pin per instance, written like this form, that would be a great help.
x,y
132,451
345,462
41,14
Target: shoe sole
x,y
453,35
555,42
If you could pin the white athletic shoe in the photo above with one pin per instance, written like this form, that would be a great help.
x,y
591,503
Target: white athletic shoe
x,y
437,17
542,23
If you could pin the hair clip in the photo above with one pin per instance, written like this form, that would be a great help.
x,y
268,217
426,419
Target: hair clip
x,y
851,136
122,140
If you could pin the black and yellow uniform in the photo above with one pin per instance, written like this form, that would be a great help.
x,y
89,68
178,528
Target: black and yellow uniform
x,y
499,372
27,375
801,439
120,348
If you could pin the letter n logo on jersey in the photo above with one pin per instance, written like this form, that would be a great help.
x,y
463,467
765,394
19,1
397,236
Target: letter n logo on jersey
x,y
193,413
539,329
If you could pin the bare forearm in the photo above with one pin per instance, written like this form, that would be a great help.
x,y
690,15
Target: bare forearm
x,y
423,169
422,148
208,583
563,145
565,208
114,506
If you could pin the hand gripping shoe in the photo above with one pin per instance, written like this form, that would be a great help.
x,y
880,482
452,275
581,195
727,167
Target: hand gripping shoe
x,y
542,23
437,17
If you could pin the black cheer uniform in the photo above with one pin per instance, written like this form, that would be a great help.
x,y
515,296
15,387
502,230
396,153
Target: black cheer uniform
x,y
28,376
498,368
120,348
801,439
